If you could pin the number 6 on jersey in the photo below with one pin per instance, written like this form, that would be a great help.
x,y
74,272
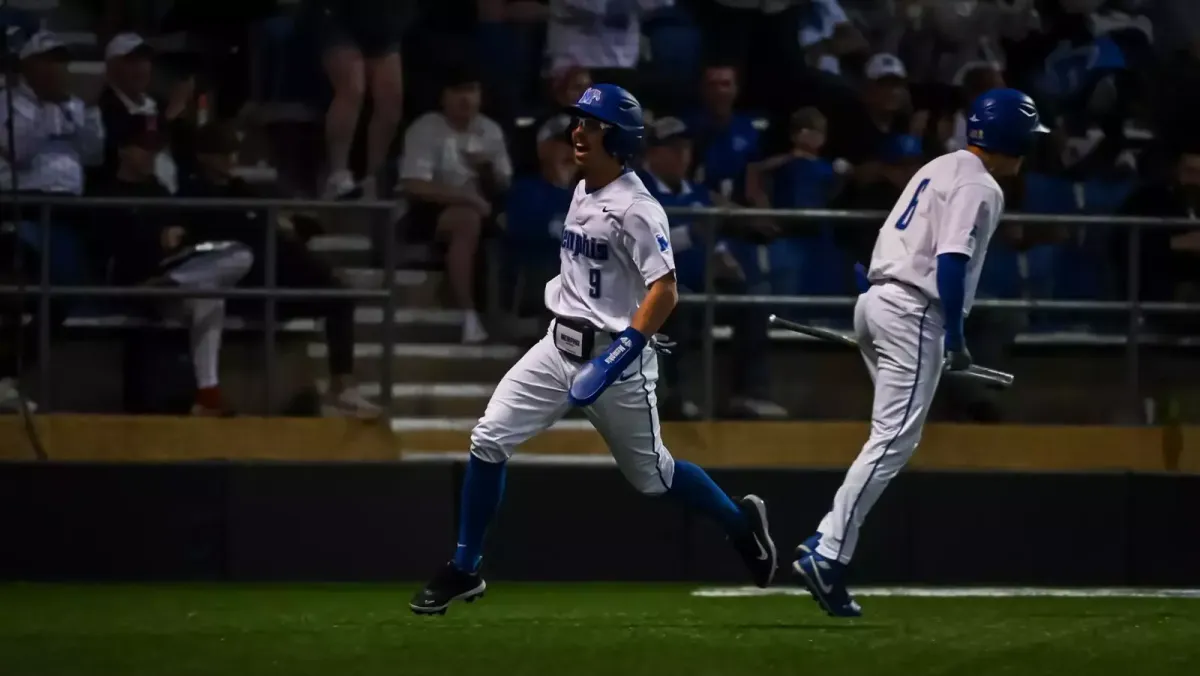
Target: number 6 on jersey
x,y
907,216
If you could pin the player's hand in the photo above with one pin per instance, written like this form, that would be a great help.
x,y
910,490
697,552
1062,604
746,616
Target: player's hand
x,y
958,359
599,373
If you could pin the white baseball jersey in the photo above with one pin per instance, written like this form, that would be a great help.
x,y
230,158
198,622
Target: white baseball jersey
x,y
615,242
952,205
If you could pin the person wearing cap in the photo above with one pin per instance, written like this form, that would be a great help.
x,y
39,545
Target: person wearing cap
x,y
361,43
862,126
152,246
128,61
455,166
536,208
664,172
217,147
54,137
54,134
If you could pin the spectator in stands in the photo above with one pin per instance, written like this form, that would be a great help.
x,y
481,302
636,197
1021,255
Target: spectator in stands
x,y
217,148
566,86
537,209
1170,257
126,93
726,140
152,246
761,39
668,158
55,136
362,54
862,127
827,35
455,167
798,179
898,159
604,36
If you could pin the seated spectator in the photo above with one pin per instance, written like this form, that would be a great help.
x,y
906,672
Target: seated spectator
x,y
126,93
894,165
455,166
152,246
362,53
537,207
798,179
665,174
217,148
566,86
54,137
862,127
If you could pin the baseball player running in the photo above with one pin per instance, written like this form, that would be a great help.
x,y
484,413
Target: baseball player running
x,y
615,289
909,321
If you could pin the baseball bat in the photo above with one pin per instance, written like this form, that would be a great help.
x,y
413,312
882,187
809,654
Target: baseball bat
x,y
974,371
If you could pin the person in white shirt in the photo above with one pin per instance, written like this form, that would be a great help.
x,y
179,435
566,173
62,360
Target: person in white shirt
x,y
54,136
597,34
455,165
908,321
615,289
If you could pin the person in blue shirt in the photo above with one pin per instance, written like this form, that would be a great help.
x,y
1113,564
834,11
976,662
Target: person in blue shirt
x,y
664,172
799,179
536,209
726,142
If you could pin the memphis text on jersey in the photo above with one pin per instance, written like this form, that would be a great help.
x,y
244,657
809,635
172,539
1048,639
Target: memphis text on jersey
x,y
580,244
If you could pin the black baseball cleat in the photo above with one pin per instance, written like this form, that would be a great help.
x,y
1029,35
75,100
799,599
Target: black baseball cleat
x,y
757,548
450,584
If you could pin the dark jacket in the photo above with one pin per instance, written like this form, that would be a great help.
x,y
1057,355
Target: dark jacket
x,y
132,237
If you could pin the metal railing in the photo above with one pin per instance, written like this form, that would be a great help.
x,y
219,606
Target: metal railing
x,y
270,292
711,218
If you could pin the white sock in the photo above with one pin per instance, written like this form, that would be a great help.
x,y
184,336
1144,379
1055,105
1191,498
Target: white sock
x,y
208,321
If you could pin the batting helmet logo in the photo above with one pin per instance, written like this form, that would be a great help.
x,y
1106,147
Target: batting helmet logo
x,y
590,97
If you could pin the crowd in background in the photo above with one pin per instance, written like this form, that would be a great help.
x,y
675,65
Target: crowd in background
x,y
452,108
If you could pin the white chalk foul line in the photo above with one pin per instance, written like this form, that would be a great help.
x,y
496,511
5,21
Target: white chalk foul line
x,y
962,592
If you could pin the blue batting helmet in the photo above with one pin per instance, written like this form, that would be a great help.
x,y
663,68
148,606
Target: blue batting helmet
x,y
1004,121
622,113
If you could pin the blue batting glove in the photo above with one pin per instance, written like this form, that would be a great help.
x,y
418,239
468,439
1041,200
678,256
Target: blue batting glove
x,y
860,278
599,373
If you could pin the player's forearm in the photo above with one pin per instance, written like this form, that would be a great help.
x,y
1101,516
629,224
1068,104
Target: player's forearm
x,y
951,283
656,307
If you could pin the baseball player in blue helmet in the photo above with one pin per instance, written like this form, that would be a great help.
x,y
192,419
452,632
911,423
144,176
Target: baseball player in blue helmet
x,y
908,321
1004,122
609,119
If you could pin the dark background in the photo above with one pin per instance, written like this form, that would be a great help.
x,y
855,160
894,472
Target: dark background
x,y
370,522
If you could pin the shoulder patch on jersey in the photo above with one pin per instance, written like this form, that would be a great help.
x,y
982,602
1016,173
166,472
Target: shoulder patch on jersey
x,y
663,244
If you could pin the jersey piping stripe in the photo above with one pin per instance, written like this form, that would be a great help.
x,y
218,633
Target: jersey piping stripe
x,y
912,394
653,432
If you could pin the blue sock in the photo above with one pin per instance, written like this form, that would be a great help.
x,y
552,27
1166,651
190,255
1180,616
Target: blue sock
x,y
696,490
483,486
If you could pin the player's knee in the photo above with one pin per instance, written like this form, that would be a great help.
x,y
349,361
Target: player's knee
x,y
488,448
653,480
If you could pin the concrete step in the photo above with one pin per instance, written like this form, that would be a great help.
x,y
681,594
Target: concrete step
x,y
413,325
433,400
430,362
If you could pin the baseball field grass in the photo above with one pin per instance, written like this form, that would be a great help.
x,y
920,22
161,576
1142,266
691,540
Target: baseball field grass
x,y
567,630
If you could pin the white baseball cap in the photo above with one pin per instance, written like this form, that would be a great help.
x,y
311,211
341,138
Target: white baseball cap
x,y
42,42
124,44
885,65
